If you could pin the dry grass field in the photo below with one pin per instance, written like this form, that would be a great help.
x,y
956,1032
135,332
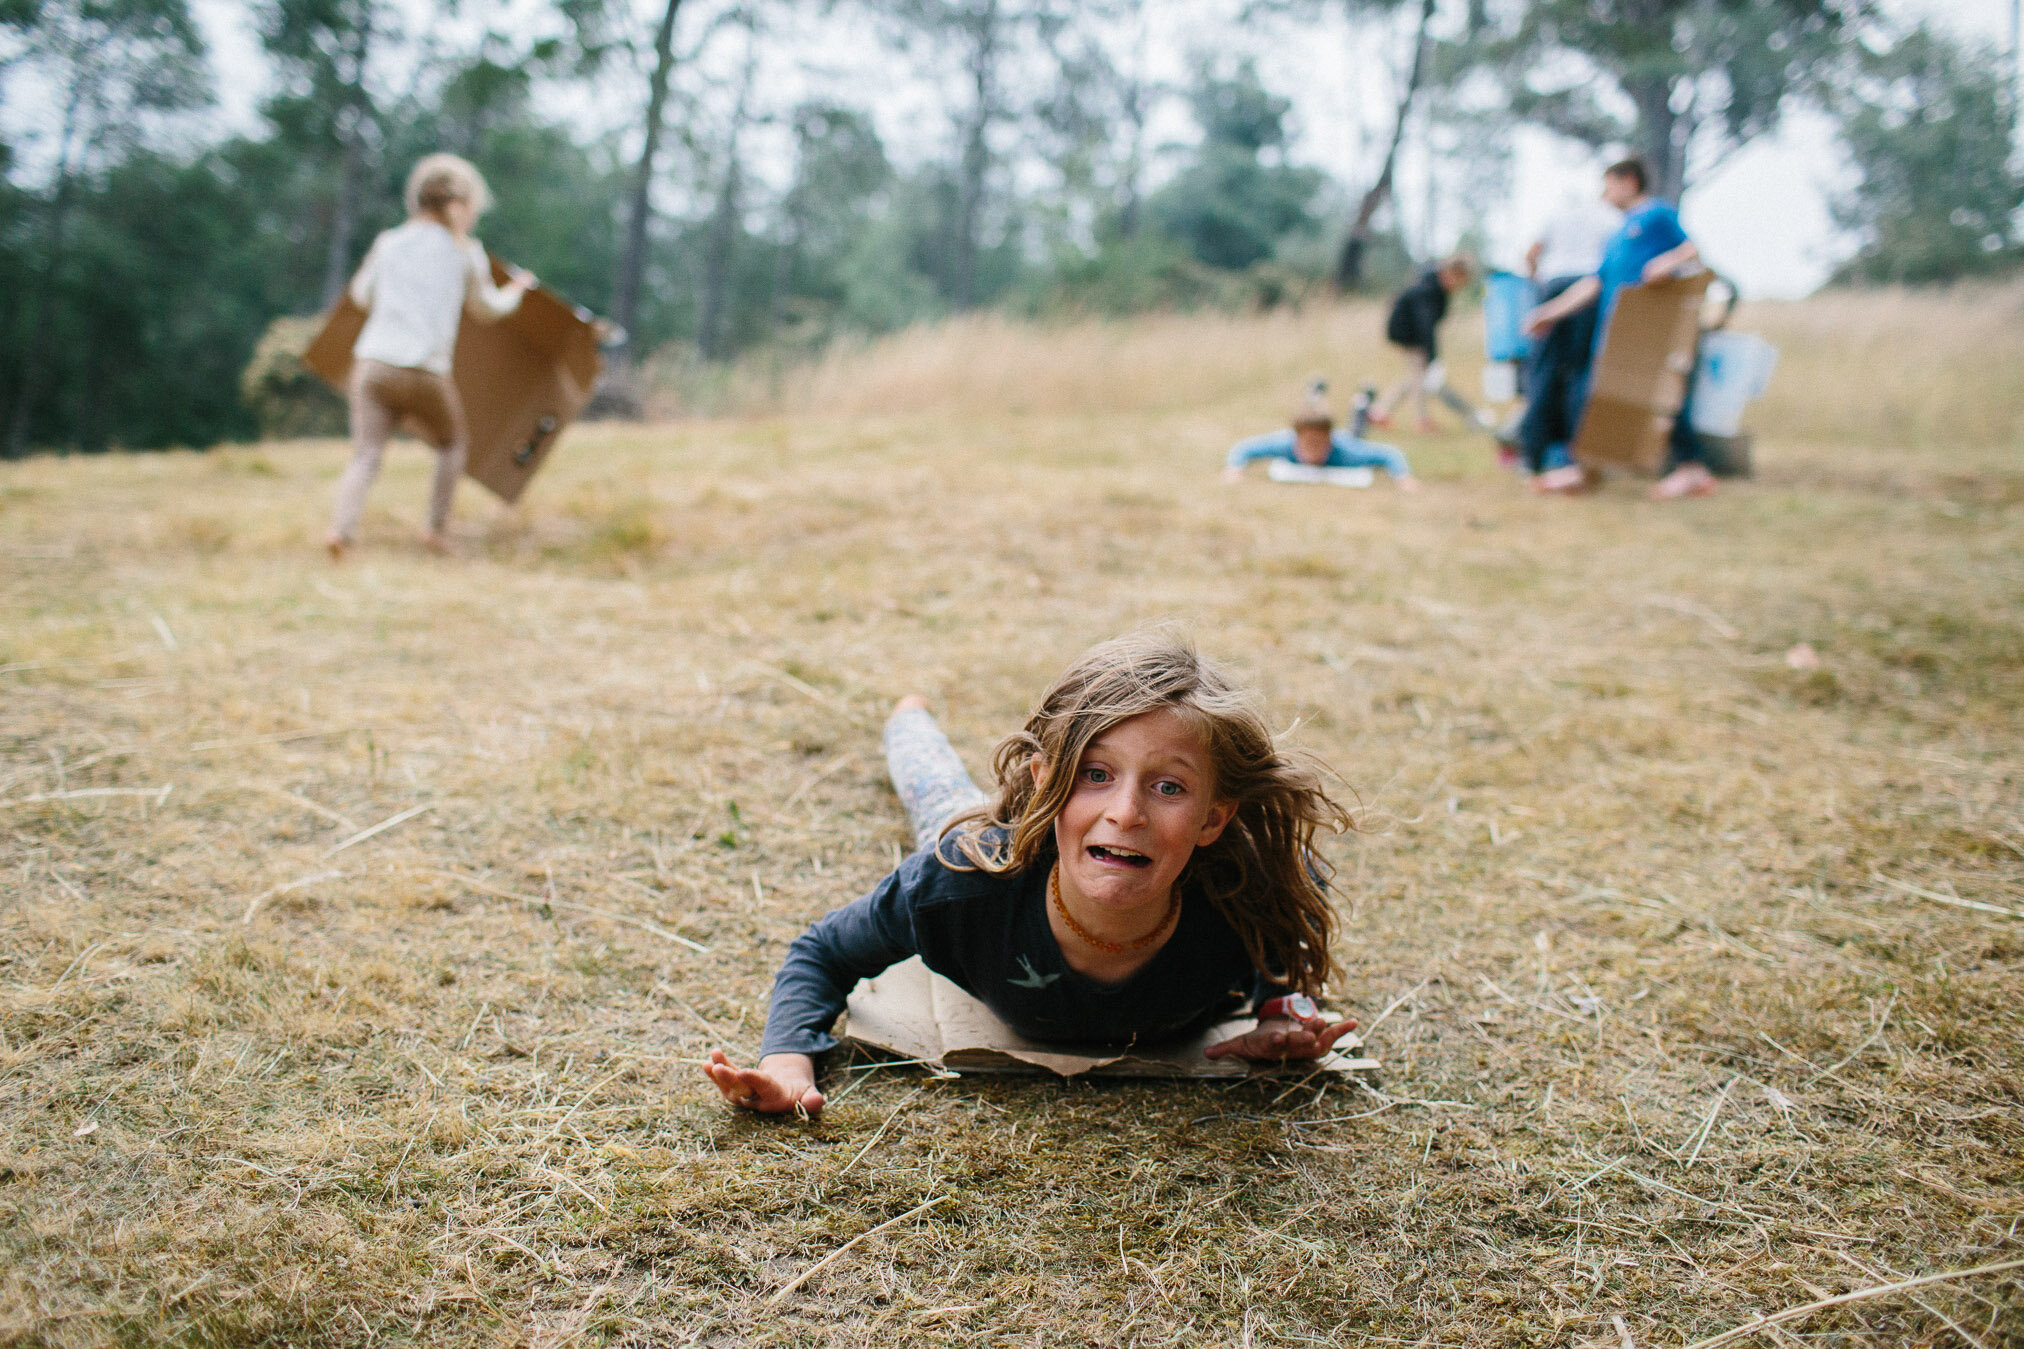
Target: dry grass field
x,y
361,925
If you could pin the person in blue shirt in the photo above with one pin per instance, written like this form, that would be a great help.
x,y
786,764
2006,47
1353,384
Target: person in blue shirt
x,y
1312,439
1650,244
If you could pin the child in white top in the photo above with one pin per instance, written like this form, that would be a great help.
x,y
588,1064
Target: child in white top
x,y
417,282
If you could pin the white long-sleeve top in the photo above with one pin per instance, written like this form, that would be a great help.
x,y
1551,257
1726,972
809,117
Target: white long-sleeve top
x,y
1573,240
416,282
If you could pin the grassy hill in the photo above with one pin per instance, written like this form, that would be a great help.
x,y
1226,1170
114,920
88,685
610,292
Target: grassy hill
x,y
1687,966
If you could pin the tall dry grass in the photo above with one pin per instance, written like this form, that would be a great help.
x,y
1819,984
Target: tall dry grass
x,y
1907,369
1918,369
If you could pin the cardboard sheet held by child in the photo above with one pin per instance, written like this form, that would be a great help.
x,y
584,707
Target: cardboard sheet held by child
x,y
1639,382
917,1014
522,379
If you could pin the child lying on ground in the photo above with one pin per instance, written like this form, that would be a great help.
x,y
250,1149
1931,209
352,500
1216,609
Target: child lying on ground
x,y
1146,869
1314,441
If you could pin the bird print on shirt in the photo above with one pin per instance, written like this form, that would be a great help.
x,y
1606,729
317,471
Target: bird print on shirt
x,y
1034,978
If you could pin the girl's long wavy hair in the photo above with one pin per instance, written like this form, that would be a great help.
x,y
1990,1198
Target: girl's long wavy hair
x,y
1262,874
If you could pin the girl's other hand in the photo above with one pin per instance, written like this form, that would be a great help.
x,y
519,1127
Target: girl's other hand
x,y
781,1083
1278,1039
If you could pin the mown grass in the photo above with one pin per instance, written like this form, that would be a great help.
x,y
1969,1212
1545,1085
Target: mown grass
x,y
1680,1021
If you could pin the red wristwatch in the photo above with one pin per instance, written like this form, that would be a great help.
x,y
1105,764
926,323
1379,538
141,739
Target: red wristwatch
x,y
1297,1006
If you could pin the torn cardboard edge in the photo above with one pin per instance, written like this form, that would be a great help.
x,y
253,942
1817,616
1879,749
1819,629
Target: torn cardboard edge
x,y
916,1014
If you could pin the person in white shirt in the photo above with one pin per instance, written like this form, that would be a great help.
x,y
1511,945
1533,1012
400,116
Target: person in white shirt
x,y
416,284
1571,244
1568,249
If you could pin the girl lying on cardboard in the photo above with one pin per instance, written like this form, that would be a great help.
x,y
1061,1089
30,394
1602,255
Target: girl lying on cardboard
x,y
1146,870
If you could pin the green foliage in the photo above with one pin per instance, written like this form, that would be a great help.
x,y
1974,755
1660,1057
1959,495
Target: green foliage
x,y
1695,75
1937,198
1231,208
1145,271
279,390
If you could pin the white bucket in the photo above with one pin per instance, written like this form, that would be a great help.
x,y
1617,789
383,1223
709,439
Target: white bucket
x,y
1734,368
1500,381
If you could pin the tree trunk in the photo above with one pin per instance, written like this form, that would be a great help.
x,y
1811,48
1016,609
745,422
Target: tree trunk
x,y
976,156
343,218
351,168
783,276
721,249
1658,138
1132,202
1349,263
632,262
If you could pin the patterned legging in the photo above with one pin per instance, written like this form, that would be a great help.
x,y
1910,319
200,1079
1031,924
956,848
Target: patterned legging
x,y
931,781
381,395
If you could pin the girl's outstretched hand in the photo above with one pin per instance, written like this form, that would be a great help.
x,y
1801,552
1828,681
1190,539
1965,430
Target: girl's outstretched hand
x,y
1280,1038
781,1083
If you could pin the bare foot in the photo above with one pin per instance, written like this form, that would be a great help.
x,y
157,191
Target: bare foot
x,y
910,702
337,546
1688,480
1565,481
436,543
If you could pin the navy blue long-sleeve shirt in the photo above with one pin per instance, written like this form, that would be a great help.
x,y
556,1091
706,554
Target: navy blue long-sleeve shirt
x,y
989,935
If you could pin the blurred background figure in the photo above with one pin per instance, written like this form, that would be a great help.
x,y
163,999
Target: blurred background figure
x,y
1569,248
1313,440
416,284
1649,245
1413,326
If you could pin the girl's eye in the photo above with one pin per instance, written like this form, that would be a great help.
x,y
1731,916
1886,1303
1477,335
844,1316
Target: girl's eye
x,y
1168,788
1096,775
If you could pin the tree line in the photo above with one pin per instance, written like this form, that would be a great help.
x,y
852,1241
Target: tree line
x,y
716,178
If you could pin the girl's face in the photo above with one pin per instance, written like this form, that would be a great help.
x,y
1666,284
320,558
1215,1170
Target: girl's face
x,y
1144,799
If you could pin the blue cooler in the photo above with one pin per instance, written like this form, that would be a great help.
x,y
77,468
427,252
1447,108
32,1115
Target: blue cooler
x,y
1507,299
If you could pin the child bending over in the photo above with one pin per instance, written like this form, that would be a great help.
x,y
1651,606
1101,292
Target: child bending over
x,y
1146,870
417,282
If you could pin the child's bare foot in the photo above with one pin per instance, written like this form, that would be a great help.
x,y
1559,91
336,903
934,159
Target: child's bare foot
x,y
1688,480
436,543
1565,481
337,546
910,702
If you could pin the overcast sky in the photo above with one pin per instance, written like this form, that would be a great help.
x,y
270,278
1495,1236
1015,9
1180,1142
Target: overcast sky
x,y
1762,219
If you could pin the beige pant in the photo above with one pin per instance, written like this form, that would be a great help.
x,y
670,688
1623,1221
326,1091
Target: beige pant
x,y
381,397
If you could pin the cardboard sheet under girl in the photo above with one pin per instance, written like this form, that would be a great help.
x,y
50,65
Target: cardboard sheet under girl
x,y
1143,895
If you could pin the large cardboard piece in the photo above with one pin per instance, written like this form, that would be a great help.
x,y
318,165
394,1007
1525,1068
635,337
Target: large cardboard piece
x,y
522,379
917,1014
1640,376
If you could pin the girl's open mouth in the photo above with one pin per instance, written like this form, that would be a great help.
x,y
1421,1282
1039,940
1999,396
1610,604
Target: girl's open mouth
x,y
1126,856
